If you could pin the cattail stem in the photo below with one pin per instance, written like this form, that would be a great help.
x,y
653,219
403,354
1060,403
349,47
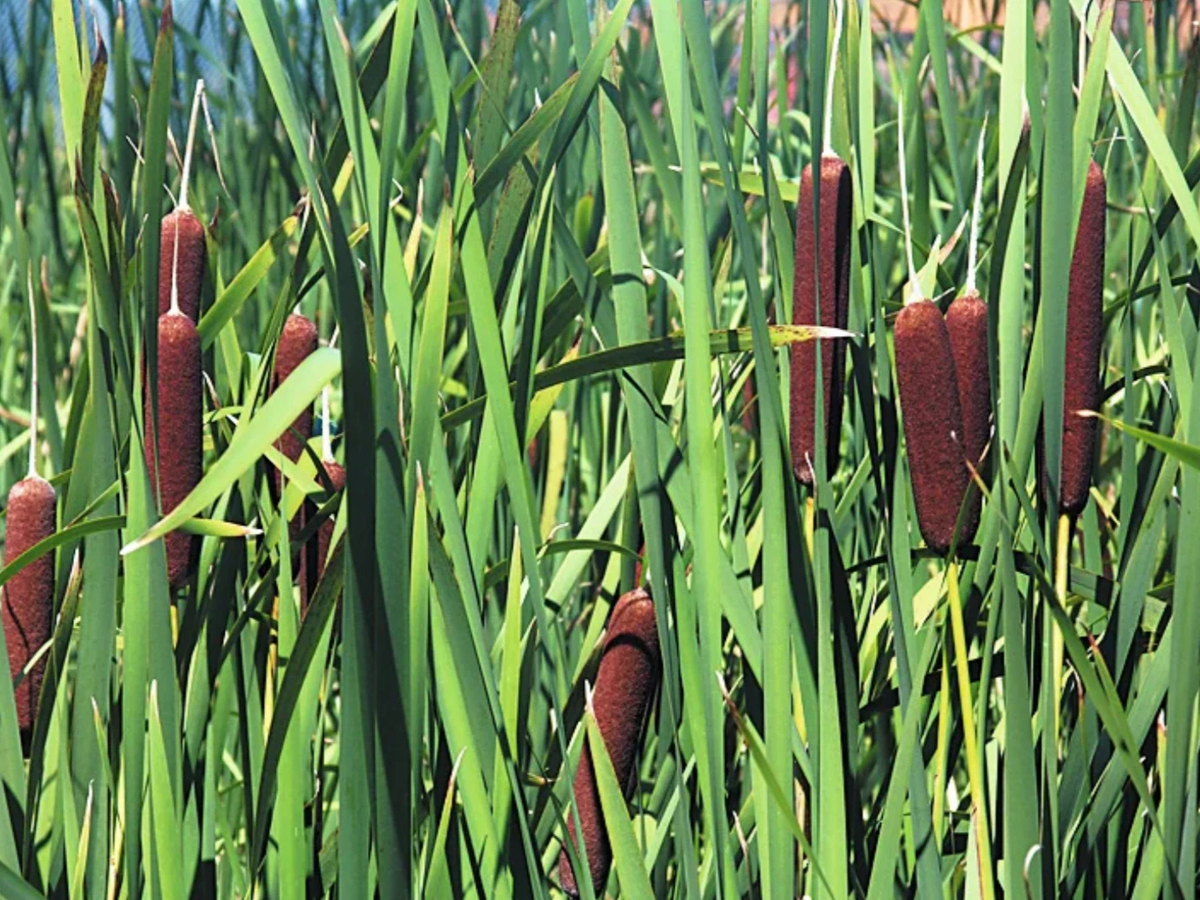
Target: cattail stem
x,y
833,51
1062,558
191,140
326,437
943,742
973,246
810,519
175,269
915,293
33,378
970,738
1083,43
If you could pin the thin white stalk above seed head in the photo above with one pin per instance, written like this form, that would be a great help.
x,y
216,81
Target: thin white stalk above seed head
x,y
829,79
191,141
973,246
915,293
33,379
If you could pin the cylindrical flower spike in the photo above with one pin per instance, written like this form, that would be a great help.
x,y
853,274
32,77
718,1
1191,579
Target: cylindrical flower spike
x,y
833,241
177,469
967,325
1085,335
298,340
183,235
933,421
28,598
625,686
316,551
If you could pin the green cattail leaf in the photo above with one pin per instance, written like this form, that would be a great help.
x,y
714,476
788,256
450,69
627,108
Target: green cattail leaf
x,y
165,824
230,300
1187,454
650,351
524,139
627,856
63,536
13,886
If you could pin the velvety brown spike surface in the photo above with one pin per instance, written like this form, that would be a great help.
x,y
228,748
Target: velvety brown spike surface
x,y
932,420
190,273
967,325
1085,334
296,343
316,551
834,241
625,686
27,607
180,453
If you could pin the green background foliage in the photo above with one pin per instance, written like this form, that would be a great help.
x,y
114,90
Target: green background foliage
x,y
555,242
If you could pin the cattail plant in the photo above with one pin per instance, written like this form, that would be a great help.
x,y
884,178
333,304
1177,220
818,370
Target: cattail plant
x,y
175,464
1085,333
27,609
298,340
625,686
928,386
181,261
316,550
967,324
820,293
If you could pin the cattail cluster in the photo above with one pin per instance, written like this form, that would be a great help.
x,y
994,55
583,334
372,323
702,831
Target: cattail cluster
x,y
1085,334
28,598
933,421
945,390
316,549
625,687
175,463
829,309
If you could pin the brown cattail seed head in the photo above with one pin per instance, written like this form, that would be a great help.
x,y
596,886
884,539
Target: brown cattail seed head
x,y
27,607
625,686
190,272
296,343
1085,334
933,422
967,325
834,242
316,551
180,409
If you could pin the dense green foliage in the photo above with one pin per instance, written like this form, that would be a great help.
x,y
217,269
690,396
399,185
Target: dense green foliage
x,y
552,240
